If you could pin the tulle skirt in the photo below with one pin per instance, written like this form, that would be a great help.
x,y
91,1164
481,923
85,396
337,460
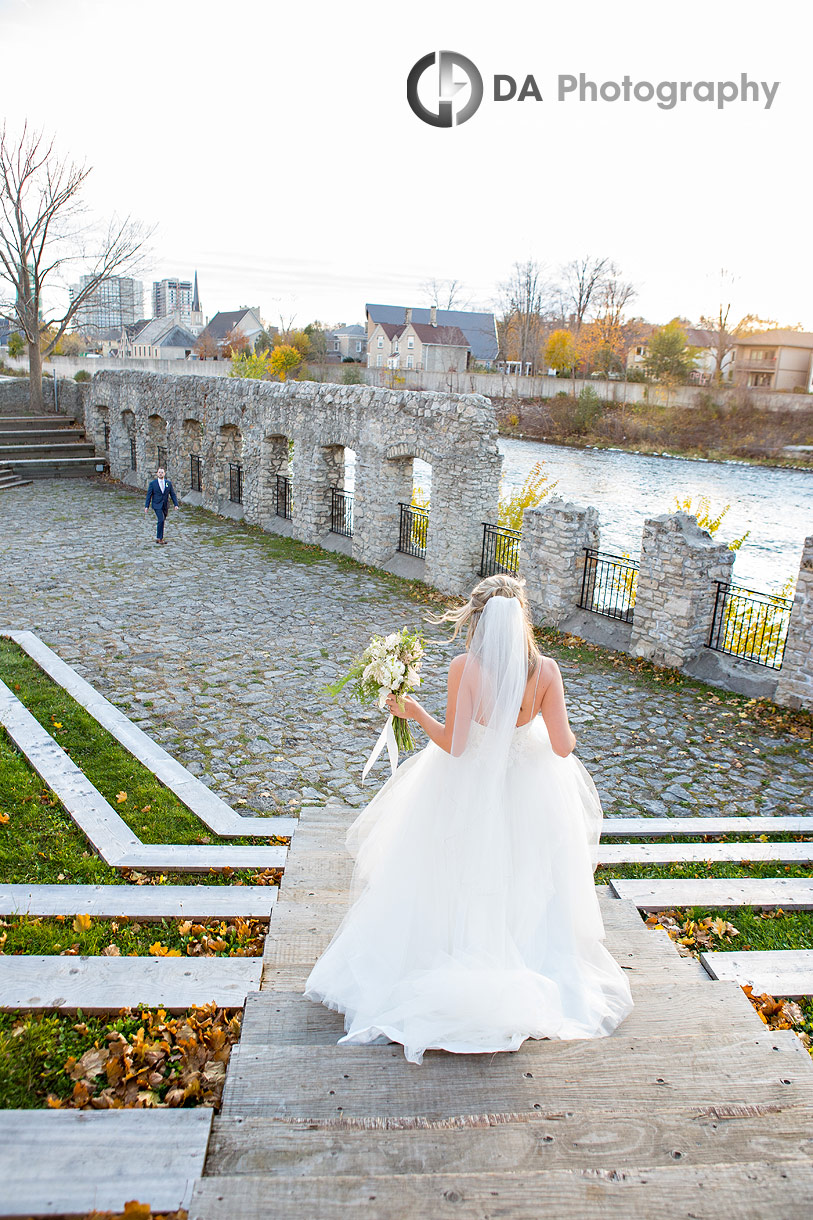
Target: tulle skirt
x,y
475,922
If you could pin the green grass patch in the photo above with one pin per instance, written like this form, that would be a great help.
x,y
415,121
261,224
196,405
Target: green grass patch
x,y
702,868
89,937
758,929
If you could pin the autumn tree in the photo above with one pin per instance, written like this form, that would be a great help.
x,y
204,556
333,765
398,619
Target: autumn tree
x,y
560,351
44,230
524,297
206,346
582,281
297,339
670,358
235,343
285,359
16,344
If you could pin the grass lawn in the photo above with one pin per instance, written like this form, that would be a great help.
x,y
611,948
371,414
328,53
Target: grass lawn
x,y
122,937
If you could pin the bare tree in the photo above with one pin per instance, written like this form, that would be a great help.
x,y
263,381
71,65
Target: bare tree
x,y
583,278
43,229
445,294
725,334
524,300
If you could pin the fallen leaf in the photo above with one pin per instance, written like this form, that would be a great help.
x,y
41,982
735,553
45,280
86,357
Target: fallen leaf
x,y
133,1210
82,923
3,818
121,796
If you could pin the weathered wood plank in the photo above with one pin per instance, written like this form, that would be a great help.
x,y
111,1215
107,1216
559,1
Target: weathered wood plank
x,y
324,1082
200,857
521,1144
747,1191
209,807
660,894
779,972
676,853
612,827
143,902
104,984
54,1162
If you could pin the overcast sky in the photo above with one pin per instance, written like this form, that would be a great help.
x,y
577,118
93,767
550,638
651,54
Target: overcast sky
x,y
273,147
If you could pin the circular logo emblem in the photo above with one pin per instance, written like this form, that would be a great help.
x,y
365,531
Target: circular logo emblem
x,y
445,93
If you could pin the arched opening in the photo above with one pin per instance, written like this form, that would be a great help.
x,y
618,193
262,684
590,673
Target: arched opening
x,y
228,470
340,462
100,428
276,484
157,443
191,474
125,446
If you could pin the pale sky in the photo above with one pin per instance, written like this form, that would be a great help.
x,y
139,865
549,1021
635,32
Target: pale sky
x,y
273,147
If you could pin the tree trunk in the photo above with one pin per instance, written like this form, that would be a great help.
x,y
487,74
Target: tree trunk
x,y
35,378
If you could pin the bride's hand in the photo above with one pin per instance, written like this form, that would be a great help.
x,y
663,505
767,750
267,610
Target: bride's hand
x,y
405,709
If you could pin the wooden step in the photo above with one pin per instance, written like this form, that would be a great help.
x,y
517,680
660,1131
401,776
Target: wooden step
x,y
679,853
521,1144
614,826
54,1162
663,893
105,984
144,902
779,972
743,1191
211,810
322,1082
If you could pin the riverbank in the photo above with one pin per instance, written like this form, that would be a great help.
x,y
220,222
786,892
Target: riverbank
x,y
708,431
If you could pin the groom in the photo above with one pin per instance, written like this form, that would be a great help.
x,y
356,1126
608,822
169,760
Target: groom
x,y
158,495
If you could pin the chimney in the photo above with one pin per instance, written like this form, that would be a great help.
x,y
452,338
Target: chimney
x,y
433,316
407,316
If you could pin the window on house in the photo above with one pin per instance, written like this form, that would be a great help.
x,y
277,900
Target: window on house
x,y
411,341
410,362
378,361
358,347
380,341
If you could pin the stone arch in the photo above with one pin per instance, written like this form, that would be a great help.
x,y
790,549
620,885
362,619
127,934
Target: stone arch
x,y
228,469
125,447
275,464
191,445
158,444
99,427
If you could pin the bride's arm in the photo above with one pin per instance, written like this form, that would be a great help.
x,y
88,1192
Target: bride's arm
x,y
410,709
554,712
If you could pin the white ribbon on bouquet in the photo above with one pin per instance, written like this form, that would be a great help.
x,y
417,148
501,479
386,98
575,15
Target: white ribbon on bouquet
x,y
387,738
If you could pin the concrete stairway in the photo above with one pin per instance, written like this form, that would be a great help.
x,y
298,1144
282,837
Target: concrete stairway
x,y
9,479
691,1108
45,446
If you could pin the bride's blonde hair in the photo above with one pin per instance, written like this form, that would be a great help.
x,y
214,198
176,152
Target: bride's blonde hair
x,y
468,615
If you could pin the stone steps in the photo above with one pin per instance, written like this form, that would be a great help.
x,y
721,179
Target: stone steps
x,y
9,479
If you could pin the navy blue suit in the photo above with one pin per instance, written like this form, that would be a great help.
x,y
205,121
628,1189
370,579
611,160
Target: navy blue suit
x,y
160,503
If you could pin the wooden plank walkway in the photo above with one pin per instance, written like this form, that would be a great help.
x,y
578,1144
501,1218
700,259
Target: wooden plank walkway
x,y
779,972
692,1103
54,1162
677,853
144,902
663,893
614,826
103,984
110,835
209,807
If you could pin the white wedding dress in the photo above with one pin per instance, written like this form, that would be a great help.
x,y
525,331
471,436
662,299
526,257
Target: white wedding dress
x,y
475,922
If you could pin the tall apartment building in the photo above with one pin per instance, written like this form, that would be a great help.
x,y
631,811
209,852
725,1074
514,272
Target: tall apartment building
x,y
116,302
178,299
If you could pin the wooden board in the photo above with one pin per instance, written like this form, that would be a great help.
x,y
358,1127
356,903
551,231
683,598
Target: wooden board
x,y
567,1139
105,984
199,858
209,807
779,972
143,902
613,827
748,1191
58,1161
352,1081
676,853
660,894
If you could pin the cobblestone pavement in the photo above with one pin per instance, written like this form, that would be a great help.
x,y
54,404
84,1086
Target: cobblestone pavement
x,y
220,645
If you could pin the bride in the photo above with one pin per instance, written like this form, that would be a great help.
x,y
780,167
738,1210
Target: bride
x,y
475,922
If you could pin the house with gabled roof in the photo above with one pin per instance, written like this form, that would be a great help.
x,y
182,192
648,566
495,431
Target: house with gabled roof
x,y
479,328
421,346
159,339
246,321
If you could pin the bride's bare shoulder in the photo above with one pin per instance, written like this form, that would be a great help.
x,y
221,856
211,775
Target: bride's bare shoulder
x,y
456,665
548,670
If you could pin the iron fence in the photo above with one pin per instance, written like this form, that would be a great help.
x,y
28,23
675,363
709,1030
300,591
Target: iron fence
x,y
412,532
341,512
235,483
750,625
609,585
500,550
133,462
195,472
107,438
284,502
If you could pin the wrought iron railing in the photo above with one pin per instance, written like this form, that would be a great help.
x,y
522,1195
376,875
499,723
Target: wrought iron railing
x,y
609,585
133,461
235,483
161,456
341,512
195,472
107,438
500,550
412,532
284,501
750,625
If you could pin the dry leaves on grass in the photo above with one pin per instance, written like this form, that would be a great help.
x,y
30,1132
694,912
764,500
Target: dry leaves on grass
x,y
133,1210
778,1014
692,936
168,1062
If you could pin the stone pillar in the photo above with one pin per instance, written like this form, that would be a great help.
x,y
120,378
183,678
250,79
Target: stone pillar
x,y
554,537
273,462
316,468
465,493
381,484
680,565
795,687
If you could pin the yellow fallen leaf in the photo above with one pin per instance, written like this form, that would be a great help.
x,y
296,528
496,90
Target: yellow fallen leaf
x,y
81,923
121,796
3,818
146,809
133,1210
57,724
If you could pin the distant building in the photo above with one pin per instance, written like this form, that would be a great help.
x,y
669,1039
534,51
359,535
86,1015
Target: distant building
x,y
479,329
246,321
775,360
346,343
178,299
158,339
114,303
705,341
418,345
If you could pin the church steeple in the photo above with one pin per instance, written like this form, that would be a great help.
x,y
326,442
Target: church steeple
x,y
195,297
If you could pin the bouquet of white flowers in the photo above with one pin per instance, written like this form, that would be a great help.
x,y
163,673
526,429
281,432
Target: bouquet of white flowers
x,y
388,665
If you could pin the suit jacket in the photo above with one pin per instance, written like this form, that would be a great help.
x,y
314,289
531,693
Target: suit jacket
x,y
157,500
